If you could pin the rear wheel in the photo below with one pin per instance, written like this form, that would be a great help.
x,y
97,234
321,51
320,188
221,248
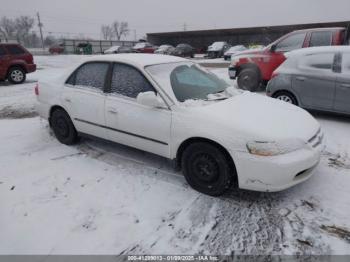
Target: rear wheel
x,y
286,97
16,75
249,79
63,127
207,169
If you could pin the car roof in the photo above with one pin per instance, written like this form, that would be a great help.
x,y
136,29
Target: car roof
x,y
318,50
321,29
140,60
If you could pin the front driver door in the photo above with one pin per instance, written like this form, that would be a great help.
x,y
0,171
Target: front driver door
x,y
84,99
314,81
131,123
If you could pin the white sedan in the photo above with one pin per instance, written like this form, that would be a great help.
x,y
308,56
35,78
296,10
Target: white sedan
x,y
172,107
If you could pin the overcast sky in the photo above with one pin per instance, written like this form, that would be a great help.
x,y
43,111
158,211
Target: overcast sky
x,y
73,17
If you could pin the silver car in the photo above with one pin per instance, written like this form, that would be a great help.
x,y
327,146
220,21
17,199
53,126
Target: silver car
x,y
314,78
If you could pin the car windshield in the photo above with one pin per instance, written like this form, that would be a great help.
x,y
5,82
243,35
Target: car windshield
x,y
182,46
236,48
189,81
218,45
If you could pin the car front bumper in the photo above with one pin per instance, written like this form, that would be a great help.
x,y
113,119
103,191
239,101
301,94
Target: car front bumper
x,y
276,173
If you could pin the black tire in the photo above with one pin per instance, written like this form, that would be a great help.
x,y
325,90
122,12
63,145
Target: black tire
x,y
207,169
249,79
63,127
16,75
286,97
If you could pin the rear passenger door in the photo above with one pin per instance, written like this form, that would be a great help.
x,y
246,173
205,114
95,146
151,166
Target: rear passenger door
x,y
342,95
314,81
84,98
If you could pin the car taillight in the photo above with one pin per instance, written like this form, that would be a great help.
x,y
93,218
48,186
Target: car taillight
x,y
36,89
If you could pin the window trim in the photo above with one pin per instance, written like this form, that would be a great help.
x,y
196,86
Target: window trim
x,y
74,75
330,39
109,88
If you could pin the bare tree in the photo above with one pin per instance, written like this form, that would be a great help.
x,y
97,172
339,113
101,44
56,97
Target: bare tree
x,y
7,28
107,32
120,29
23,25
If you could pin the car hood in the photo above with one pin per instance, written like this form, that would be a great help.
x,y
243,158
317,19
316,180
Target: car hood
x,y
260,118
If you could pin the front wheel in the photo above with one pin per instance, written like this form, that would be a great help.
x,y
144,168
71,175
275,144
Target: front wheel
x,y
249,79
206,169
286,97
63,127
16,75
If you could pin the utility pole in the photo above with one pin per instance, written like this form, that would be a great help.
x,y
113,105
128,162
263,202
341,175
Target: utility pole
x,y
185,27
40,25
135,36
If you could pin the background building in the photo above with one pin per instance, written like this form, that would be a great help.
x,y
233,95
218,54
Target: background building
x,y
246,36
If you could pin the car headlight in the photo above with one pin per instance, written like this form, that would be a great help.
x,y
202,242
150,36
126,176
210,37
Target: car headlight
x,y
274,148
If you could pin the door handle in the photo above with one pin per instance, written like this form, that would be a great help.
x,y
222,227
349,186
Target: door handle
x,y
345,85
67,100
301,78
112,110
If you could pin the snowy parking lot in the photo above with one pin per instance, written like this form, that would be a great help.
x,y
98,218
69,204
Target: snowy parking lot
x,y
103,198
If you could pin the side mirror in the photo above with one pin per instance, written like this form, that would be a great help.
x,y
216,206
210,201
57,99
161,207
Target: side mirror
x,y
150,99
273,48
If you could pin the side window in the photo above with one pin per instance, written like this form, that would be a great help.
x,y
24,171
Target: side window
x,y
292,42
91,75
323,61
321,38
128,81
15,50
346,63
2,51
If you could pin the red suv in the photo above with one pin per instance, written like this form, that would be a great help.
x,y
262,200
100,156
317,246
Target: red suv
x,y
15,63
255,67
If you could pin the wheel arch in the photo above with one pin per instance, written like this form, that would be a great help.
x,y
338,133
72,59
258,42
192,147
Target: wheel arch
x,y
16,66
53,109
193,140
286,91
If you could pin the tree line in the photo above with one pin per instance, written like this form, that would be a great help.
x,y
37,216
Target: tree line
x,y
22,29
115,31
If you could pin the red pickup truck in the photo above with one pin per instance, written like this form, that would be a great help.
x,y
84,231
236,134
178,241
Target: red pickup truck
x,y
15,63
255,67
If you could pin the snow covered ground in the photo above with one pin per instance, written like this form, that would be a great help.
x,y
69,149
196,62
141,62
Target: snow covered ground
x,y
102,198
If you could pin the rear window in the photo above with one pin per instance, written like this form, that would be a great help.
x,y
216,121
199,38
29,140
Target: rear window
x,y
2,51
91,75
321,39
15,50
323,61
